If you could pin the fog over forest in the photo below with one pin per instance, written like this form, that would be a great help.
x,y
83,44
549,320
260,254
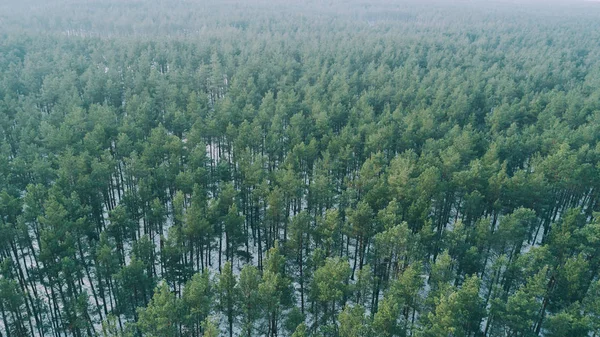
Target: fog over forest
x,y
300,168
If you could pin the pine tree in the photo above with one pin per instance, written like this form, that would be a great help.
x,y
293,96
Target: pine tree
x,y
161,316
228,295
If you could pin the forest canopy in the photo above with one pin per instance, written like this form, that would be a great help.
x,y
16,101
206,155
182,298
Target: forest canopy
x,y
282,168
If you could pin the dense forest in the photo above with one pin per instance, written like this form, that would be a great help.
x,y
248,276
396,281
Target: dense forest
x,y
276,168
